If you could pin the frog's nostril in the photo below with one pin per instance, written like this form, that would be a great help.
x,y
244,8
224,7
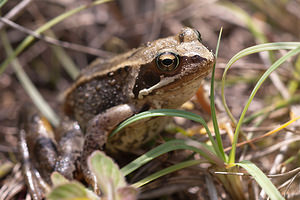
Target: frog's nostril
x,y
197,59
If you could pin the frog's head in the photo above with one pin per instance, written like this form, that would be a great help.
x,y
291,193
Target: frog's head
x,y
174,70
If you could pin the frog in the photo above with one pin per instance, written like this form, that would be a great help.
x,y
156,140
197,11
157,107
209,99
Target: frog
x,y
162,74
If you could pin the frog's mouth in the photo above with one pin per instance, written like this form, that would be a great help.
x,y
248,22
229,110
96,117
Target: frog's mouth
x,y
186,76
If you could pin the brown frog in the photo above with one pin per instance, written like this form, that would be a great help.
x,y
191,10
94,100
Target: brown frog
x,y
161,74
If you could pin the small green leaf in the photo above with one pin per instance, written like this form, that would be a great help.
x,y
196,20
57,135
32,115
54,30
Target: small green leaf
x,y
109,177
68,191
127,193
58,179
261,179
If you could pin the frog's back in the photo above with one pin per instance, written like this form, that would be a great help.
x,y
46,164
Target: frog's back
x,y
96,90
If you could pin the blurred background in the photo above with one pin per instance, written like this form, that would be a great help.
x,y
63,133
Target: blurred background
x,y
115,27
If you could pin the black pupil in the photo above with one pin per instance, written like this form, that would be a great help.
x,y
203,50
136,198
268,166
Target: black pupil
x,y
167,61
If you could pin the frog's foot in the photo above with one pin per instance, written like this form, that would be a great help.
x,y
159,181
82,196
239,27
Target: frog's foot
x,y
38,152
36,185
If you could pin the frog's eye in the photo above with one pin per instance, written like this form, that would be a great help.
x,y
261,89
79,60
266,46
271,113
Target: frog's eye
x,y
167,61
198,35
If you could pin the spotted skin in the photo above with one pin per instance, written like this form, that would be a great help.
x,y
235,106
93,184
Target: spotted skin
x,y
161,74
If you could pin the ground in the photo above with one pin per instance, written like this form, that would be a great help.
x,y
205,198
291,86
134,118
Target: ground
x,y
118,26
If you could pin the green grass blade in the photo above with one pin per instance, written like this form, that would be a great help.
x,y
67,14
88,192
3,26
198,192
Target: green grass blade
x,y
261,179
31,90
212,104
201,148
43,28
248,51
257,86
172,113
247,20
272,108
166,171
66,62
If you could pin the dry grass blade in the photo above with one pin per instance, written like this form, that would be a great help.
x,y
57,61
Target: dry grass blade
x,y
67,45
69,42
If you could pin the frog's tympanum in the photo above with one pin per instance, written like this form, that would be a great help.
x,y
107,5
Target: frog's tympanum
x,y
161,74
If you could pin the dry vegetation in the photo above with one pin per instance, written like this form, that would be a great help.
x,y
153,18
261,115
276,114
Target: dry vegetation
x,y
121,25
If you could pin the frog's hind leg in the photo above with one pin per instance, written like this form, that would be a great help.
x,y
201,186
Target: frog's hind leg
x,y
38,153
36,185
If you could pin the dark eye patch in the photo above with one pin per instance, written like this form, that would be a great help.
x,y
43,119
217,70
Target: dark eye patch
x,y
146,79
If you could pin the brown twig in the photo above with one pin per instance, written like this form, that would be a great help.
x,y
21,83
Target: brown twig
x,y
75,47
15,11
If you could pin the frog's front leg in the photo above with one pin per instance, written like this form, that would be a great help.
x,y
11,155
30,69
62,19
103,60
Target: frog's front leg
x,y
97,132
70,143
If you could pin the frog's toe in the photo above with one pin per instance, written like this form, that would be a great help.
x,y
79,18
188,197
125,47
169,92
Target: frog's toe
x,y
37,187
